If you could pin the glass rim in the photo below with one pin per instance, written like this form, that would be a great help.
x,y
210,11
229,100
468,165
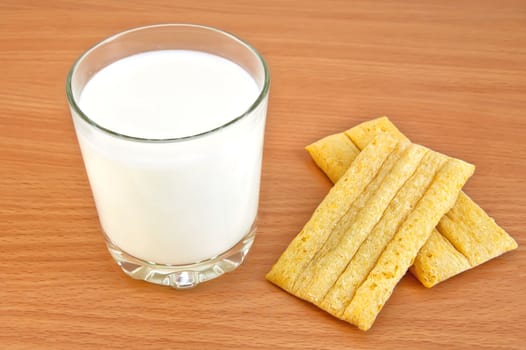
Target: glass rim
x,y
261,96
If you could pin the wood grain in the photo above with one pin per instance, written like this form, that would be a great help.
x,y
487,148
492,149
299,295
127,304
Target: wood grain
x,y
450,74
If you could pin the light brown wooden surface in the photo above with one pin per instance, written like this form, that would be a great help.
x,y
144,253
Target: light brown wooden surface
x,y
450,74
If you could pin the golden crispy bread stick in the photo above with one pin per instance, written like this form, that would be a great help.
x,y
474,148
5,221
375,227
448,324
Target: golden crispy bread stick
x,y
335,154
363,133
438,260
326,216
474,233
410,184
349,218
448,254
325,269
400,252
365,258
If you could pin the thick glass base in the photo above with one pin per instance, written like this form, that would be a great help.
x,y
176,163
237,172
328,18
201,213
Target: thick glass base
x,y
183,276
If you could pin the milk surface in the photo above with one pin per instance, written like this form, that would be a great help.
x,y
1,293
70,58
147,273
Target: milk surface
x,y
168,94
174,202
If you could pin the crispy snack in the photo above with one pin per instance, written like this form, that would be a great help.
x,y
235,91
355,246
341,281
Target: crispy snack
x,y
327,266
333,153
363,133
474,233
396,213
377,217
400,252
333,207
346,222
438,260
466,236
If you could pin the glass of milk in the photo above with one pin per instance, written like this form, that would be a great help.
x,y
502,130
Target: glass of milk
x,y
170,120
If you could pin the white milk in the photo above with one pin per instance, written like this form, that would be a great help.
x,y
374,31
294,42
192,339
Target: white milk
x,y
173,202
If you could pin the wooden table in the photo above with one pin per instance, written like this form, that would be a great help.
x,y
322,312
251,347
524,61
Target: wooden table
x,y
451,74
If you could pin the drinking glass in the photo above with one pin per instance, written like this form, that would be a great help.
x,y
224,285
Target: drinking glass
x,y
174,211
